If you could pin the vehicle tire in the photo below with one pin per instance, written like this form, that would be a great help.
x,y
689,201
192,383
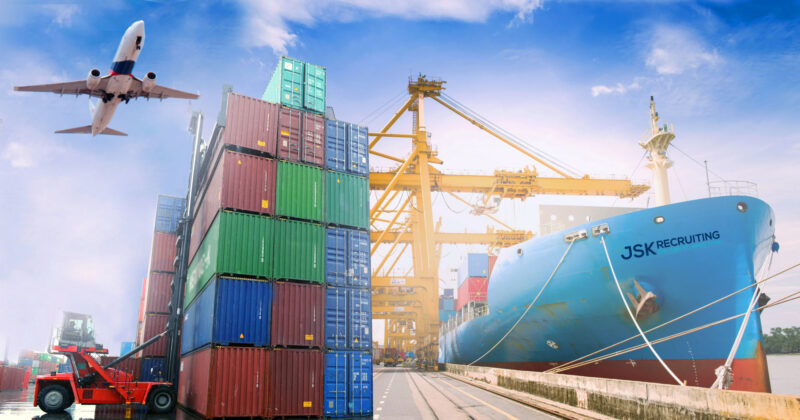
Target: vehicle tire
x,y
161,400
54,399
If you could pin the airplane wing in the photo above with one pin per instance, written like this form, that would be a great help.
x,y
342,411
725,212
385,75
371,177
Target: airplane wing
x,y
158,92
77,87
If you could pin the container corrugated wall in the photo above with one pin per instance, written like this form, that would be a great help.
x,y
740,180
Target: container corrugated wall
x,y
346,200
335,388
162,253
313,139
236,244
336,318
299,193
315,86
250,123
295,383
299,251
225,381
153,325
240,182
158,292
347,257
289,134
336,145
298,315
229,311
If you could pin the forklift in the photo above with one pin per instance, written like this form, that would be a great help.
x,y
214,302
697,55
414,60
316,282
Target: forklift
x,y
91,383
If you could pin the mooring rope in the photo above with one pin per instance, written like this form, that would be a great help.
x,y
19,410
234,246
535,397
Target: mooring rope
x,y
633,318
571,242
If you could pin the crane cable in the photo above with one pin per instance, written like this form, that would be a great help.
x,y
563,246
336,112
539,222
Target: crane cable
x,y
633,318
568,365
528,308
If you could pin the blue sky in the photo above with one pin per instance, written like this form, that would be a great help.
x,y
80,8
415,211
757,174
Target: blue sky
x,y
572,77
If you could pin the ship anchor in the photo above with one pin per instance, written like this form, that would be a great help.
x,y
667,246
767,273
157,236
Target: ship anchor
x,y
644,301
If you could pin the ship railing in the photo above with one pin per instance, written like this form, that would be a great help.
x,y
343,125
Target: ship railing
x,y
734,187
467,312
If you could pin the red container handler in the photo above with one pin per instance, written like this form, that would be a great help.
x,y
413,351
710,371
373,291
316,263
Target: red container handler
x,y
472,290
158,293
313,139
162,254
240,182
298,315
153,325
225,381
295,383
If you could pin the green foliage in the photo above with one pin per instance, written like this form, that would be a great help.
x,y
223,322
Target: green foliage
x,y
782,340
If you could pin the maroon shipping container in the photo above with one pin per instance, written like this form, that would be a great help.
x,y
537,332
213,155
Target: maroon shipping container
x,y
295,383
162,254
474,289
130,365
153,325
313,139
250,123
158,293
240,182
289,133
225,381
298,315
12,378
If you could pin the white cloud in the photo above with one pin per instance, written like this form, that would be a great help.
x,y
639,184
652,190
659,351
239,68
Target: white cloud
x,y
269,20
62,13
18,155
619,89
674,50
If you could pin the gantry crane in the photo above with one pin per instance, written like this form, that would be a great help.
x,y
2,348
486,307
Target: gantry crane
x,y
409,302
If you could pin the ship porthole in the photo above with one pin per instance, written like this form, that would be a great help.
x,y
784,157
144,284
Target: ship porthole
x,y
770,222
519,251
741,206
659,220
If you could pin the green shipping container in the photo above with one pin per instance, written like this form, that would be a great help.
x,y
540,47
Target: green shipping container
x,y
299,251
299,191
298,85
236,244
346,200
34,371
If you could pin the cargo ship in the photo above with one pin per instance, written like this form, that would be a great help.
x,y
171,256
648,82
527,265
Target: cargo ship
x,y
668,260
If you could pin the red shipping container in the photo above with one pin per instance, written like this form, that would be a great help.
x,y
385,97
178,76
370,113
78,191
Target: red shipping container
x,y
131,365
158,293
298,315
28,354
240,182
492,261
153,325
12,378
472,290
295,383
162,254
289,134
141,305
250,123
225,381
313,139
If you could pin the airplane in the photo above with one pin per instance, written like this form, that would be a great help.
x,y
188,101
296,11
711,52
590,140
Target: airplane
x,y
114,88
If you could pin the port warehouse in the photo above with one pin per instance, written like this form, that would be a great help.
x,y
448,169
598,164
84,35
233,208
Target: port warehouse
x,y
278,281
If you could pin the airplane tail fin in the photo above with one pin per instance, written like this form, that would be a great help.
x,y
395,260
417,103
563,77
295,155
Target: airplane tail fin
x,y
88,130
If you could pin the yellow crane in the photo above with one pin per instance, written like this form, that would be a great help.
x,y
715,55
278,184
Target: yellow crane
x,y
408,302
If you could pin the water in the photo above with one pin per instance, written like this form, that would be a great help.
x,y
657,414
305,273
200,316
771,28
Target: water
x,y
783,372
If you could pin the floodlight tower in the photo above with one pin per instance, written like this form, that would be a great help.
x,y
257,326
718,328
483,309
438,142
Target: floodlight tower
x,y
656,147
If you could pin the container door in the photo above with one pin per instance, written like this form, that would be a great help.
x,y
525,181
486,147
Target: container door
x,y
336,257
357,150
360,383
359,259
313,139
335,391
314,99
336,315
361,322
289,124
336,145
292,75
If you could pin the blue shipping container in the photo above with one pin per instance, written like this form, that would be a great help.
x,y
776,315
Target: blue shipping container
x,y
358,150
359,400
347,389
125,347
474,265
448,293
336,317
168,213
347,257
229,311
448,304
25,362
336,145
335,384
360,324
444,314
153,369
65,368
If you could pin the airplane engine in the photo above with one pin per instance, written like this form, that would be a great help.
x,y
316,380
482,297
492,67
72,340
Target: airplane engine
x,y
149,82
93,79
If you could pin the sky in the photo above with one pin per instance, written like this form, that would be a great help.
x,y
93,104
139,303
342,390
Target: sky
x,y
573,78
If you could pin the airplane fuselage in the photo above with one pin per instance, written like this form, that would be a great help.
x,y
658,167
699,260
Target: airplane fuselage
x,y
121,76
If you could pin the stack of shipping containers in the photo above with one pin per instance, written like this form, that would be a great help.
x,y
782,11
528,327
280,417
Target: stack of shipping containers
x,y
253,338
348,313
39,363
447,305
156,290
473,278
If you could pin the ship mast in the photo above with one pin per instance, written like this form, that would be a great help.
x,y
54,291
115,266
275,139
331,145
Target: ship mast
x,y
656,147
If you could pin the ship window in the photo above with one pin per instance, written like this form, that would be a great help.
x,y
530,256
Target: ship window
x,y
519,251
659,220
741,206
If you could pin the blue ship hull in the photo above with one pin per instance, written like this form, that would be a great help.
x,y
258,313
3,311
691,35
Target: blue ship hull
x,y
702,251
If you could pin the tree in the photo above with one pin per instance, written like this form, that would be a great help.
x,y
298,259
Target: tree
x,y
782,340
